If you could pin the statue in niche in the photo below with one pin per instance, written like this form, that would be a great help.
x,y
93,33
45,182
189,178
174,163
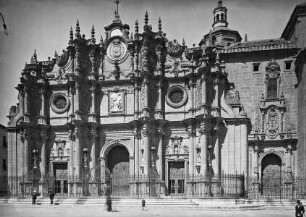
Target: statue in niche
x,y
198,156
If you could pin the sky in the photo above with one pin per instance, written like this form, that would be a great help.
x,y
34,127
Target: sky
x,y
44,25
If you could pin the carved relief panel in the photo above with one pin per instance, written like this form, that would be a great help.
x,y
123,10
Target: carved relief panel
x,y
175,146
116,102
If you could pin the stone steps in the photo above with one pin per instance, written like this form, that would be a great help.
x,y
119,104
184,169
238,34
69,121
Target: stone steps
x,y
192,203
179,203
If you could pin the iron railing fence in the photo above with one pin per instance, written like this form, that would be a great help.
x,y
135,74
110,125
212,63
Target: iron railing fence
x,y
229,186
277,188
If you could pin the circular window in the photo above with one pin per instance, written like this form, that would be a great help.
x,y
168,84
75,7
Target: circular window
x,y
176,96
59,102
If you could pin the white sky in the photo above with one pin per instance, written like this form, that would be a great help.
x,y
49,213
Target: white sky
x,y
44,25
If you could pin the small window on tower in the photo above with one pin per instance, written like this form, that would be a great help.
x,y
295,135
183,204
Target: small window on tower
x,y
288,65
256,67
4,166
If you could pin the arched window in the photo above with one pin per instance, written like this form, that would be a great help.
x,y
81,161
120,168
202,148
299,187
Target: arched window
x,y
218,17
222,17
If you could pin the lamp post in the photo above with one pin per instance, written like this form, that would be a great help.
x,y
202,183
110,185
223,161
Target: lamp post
x,y
35,152
4,25
85,161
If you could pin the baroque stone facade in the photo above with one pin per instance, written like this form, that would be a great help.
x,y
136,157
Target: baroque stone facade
x,y
144,106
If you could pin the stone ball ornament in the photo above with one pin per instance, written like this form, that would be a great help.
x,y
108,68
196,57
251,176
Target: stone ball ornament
x,y
59,103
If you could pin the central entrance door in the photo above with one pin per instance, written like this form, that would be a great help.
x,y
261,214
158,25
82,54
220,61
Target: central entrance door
x,y
61,179
271,176
176,178
117,174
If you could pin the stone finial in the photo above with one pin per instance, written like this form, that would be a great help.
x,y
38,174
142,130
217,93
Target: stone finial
x,y
34,58
132,37
93,40
246,37
183,42
101,40
55,54
159,25
71,35
136,27
220,3
77,29
146,18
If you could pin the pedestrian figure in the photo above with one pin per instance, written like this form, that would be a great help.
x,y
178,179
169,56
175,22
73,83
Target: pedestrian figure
x,y
51,195
34,196
299,209
143,204
109,203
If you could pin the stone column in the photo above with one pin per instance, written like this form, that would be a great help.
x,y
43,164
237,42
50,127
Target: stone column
x,y
137,151
93,105
77,148
93,162
136,100
77,99
203,78
146,138
21,101
217,164
204,134
43,161
244,148
192,154
26,104
26,151
160,152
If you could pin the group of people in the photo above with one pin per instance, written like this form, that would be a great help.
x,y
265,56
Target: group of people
x,y
35,194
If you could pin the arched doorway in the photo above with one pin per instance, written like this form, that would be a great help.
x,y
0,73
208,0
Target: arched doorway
x,y
117,172
271,176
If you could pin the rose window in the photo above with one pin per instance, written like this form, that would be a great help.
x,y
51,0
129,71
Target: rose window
x,y
59,103
176,96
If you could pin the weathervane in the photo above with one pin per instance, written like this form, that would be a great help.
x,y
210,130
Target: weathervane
x,y
117,3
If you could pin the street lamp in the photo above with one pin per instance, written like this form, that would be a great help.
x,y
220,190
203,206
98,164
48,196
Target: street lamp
x,y
4,25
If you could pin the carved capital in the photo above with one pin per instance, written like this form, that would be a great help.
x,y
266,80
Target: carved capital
x,y
146,130
137,134
191,132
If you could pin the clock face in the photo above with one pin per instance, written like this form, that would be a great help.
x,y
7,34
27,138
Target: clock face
x,y
116,51
116,32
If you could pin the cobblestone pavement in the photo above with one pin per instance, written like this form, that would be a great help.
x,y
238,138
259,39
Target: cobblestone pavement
x,y
95,211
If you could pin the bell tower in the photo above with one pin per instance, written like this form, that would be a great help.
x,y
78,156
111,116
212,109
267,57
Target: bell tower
x,y
220,15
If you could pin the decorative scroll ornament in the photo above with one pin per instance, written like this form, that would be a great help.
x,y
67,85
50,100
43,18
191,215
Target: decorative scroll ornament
x,y
116,102
232,96
272,122
273,69
174,48
116,51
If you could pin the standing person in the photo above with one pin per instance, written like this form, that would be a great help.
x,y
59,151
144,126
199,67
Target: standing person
x,y
299,209
51,195
34,196
143,204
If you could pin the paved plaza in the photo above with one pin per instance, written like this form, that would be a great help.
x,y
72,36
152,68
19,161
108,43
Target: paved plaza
x,y
93,211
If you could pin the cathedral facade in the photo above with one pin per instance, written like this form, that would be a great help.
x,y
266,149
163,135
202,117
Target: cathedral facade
x,y
138,112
